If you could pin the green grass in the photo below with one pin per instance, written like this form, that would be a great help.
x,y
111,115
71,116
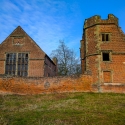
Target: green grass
x,y
63,109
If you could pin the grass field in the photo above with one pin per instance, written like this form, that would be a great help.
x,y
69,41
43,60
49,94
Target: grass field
x,y
63,109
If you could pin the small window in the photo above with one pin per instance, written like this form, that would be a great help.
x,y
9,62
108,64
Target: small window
x,y
105,37
106,56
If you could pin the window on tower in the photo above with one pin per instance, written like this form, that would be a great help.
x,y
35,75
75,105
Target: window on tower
x,y
106,56
105,37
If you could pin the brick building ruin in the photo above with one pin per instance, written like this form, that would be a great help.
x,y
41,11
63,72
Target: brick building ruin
x,y
21,56
102,60
103,50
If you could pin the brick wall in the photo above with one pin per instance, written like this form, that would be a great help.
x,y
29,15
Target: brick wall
x,y
1,67
36,68
115,88
83,83
17,85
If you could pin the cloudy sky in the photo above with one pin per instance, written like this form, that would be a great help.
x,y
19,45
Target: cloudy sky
x,y
48,21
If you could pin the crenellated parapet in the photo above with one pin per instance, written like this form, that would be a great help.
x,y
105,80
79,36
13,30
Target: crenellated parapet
x,y
95,20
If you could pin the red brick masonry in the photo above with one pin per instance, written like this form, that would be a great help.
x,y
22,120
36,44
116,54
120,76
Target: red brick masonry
x,y
16,85
83,83
95,47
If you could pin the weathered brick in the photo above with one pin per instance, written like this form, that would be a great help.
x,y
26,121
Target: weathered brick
x,y
92,48
19,41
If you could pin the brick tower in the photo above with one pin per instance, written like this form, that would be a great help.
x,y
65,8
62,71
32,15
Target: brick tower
x,y
103,50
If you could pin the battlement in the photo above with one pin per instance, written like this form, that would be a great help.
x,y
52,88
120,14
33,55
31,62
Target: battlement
x,y
95,20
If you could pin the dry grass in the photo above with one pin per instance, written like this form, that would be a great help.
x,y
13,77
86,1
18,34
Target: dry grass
x,y
63,109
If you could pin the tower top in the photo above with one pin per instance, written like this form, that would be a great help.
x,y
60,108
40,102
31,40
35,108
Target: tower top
x,y
96,20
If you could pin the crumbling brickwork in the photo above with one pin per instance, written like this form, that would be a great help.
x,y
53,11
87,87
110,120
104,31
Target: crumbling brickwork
x,y
30,60
18,85
103,50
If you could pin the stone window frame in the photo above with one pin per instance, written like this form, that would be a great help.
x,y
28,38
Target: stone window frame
x,y
110,55
104,37
23,65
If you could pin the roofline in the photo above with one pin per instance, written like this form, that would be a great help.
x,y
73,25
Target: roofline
x,y
101,24
27,35
50,59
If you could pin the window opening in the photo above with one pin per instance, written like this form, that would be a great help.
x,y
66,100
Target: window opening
x,y
20,67
22,64
10,63
105,37
105,56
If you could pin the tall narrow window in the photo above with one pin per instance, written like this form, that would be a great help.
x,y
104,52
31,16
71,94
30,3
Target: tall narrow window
x,y
22,64
17,64
107,37
103,37
10,63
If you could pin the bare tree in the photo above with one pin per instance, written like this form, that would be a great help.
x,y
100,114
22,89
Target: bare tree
x,y
68,64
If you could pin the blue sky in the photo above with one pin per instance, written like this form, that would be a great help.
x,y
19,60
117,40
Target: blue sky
x,y
48,21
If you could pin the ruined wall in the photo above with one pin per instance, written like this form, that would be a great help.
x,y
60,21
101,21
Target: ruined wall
x,y
83,83
92,52
114,88
92,21
16,85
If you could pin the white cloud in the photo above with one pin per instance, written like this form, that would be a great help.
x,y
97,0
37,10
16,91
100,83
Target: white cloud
x,y
44,21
